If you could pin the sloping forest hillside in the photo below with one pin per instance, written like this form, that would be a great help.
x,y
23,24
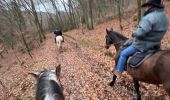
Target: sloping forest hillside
x,y
27,45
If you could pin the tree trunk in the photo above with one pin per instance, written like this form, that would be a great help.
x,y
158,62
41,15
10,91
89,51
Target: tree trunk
x,y
139,10
51,19
36,21
20,22
58,16
119,15
90,15
142,10
72,14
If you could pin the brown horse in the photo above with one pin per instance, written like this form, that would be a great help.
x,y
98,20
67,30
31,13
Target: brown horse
x,y
155,70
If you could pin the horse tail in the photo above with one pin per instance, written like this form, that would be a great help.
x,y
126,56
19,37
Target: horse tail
x,y
55,39
62,38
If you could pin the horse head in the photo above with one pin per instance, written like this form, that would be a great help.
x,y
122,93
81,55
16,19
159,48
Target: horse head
x,y
114,38
48,84
108,41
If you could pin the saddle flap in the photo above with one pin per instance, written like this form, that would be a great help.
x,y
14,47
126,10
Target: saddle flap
x,y
138,58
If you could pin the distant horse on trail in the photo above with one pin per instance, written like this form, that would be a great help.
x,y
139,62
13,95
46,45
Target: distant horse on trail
x,y
59,39
48,85
154,70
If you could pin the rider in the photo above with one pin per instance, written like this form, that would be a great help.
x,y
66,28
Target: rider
x,y
57,32
147,35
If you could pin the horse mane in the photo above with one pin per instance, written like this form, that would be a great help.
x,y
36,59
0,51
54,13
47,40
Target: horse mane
x,y
118,35
48,87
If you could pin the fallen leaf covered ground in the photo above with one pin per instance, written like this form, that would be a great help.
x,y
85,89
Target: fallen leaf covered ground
x,y
85,67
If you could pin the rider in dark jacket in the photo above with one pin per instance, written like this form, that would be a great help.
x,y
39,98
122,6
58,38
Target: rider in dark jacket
x,y
57,32
147,35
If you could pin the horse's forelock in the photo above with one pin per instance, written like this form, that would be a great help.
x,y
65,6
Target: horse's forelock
x,y
44,73
108,39
49,75
49,97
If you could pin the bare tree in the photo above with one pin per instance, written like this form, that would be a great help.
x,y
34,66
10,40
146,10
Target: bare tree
x,y
90,15
71,13
139,10
36,19
58,15
142,10
51,21
119,15
20,22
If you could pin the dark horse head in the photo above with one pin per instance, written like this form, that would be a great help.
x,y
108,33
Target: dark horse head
x,y
48,85
154,70
114,38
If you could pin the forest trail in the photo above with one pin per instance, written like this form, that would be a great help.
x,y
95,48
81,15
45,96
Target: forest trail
x,y
85,68
85,73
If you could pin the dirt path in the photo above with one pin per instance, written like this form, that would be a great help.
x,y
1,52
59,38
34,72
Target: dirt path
x,y
85,72
82,74
83,77
86,78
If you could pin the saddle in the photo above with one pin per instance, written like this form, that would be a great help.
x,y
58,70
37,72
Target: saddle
x,y
138,58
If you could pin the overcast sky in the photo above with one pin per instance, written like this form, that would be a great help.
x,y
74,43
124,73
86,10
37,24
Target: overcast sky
x,y
49,7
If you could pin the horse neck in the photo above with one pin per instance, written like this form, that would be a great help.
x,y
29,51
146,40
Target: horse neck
x,y
118,40
117,46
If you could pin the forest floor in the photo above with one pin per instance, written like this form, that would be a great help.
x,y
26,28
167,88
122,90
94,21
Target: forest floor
x,y
85,67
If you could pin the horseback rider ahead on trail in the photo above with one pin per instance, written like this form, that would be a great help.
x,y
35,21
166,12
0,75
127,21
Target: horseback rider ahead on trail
x,y
147,35
58,32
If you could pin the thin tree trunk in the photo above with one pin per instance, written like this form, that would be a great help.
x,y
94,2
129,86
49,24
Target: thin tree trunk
x,y
36,21
89,15
71,12
58,16
81,25
26,45
139,10
142,10
119,15
20,22
51,19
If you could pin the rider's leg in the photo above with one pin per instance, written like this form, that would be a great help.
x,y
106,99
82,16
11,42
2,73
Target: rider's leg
x,y
123,58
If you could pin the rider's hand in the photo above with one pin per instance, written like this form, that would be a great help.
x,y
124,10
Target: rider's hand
x,y
128,42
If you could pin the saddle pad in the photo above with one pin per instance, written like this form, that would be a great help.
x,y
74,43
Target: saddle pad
x,y
138,58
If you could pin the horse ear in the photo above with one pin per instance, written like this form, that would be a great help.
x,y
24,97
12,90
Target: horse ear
x,y
111,29
45,69
58,70
107,31
35,74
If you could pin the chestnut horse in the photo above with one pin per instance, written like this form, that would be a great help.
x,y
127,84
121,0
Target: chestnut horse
x,y
155,70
